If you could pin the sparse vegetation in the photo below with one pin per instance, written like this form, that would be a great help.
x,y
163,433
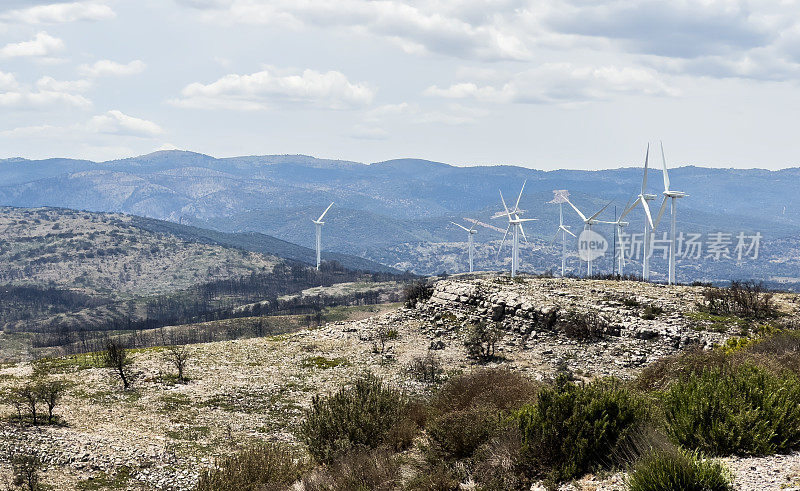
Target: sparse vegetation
x,y
178,356
745,299
427,369
417,292
678,470
481,340
585,326
117,359
573,428
259,467
369,414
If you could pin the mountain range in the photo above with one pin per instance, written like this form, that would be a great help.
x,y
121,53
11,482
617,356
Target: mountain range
x,y
396,212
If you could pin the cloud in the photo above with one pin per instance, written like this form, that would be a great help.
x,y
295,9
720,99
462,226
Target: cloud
x,y
562,83
45,99
452,114
361,132
59,13
8,81
465,29
42,45
108,68
260,90
50,84
112,123
117,123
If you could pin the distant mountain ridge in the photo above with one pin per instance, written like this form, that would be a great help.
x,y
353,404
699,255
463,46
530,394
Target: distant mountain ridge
x,y
387,205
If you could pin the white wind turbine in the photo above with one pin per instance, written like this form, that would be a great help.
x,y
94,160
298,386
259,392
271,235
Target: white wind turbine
x,y
561,197
516,222
587,224
318,223
643,199
618,226
470,242
669,195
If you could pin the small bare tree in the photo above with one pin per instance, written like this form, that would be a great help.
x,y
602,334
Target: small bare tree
x,y
50,393
179,355
116,357
25,468
29,395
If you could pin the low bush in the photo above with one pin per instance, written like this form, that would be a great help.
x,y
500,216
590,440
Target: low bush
x,y
368,414
679,470
417,292
734,410
586,326
651,312
263,467
481,340
375,469
746,299
574,428
474,407
427,369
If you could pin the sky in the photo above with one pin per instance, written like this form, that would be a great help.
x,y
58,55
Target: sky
x,y
544,84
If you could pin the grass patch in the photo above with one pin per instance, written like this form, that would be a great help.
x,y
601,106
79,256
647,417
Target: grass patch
x,y
676,469
323,363
104,480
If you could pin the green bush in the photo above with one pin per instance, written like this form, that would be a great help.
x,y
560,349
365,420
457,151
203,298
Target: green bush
x,y
678,470
734,410
459,433
261,467
651,312
365,470
417,292
369,414
573,428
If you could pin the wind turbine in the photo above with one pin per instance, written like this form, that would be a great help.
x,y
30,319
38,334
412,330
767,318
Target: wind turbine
x,y
587,224
669,195
560,197
643,200
470,243
618,226
515,222
318,223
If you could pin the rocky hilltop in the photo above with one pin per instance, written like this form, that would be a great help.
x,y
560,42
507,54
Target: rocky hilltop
x,y
161,434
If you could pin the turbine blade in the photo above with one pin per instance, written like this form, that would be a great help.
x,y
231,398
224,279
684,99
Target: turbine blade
x,y
661,211
460,226
560,215
665,173
503,241
504,205
601,210
324,212
526,219
630,208
523,232
474,224
644,177
516,206
567,231
583,217
647,212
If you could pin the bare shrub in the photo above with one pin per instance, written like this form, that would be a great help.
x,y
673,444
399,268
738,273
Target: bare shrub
x,y
266,467
178,356
746,299
427,369
481,340
417,292
116,357
374,469
586,326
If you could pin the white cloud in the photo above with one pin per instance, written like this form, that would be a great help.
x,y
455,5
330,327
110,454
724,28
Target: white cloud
x,y
112,123
45,99
108,68
562,83
465,29
259,90
361,132
8,81
117,123
59,13
50,84
42,45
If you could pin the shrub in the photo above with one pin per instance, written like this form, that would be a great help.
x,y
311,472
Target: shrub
x,y
375,469
417,292
735,410
25,469
472,408
116,357
260,467
678,469
651,312
481,340
573,428
370,414
427,369
585,326
746,299
437,477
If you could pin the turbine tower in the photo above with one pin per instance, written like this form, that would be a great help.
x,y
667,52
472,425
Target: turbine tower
x,y
672,196
643,199
618,226
561,197
318,223
587,224
470,242
515,222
